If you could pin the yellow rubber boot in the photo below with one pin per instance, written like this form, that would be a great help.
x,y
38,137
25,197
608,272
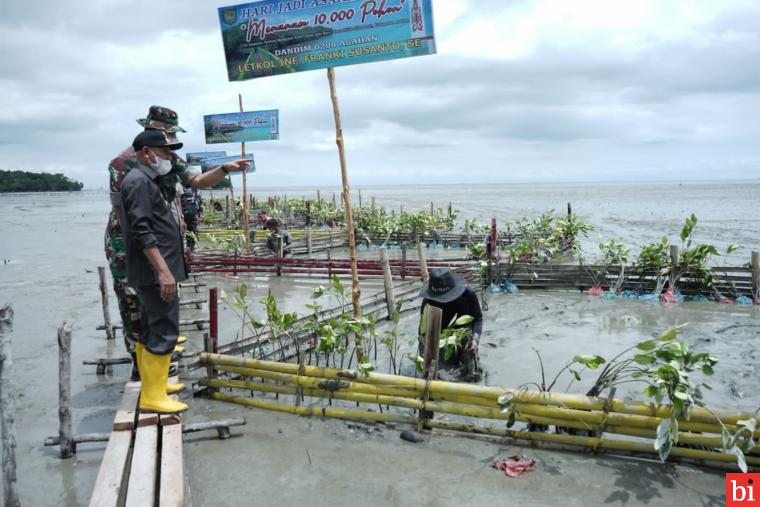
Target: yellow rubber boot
x,y
170,388
153,396
181,339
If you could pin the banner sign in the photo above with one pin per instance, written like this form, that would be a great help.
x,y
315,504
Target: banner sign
x,y
242,127
211,163
280,36
197,157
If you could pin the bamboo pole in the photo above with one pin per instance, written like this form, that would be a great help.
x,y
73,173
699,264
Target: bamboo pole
x,y
104,302
401,398
354,414
421,249
468,406
8,409
339,413
592,442
355,288
756,274
68,447
246,224
390,300
488,394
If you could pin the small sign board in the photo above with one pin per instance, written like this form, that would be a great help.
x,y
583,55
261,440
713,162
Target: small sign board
x,y
211,163
273,37
196,157
242,127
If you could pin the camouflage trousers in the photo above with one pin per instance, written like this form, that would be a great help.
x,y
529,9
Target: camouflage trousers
x,y
127,297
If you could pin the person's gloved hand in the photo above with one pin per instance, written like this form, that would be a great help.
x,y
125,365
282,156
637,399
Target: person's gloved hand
x,y
474,343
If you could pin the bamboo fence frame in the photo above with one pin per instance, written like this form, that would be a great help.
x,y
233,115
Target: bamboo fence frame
x,y
599,418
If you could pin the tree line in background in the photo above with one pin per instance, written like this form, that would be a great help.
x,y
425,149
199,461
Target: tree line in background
x,y
24,181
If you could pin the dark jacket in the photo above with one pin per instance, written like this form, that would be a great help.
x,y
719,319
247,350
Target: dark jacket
x,y
466,304
147,221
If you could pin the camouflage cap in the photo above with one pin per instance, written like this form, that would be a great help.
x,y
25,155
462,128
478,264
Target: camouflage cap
x,y
161,118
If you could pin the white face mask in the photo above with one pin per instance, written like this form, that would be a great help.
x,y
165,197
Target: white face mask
x,y
162,166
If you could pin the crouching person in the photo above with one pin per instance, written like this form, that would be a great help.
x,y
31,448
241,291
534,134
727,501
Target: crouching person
x,y
155,264
449,292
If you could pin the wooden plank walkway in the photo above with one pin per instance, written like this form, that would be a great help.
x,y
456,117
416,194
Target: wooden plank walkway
x,y
143,462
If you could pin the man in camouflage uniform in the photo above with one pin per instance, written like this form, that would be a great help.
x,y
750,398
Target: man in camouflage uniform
x,y
159,118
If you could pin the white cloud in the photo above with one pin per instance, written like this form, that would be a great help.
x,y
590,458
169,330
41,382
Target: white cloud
x,y
526,90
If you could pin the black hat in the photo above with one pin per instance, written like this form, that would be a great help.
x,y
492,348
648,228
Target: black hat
x,y
443,286
155,139
273,222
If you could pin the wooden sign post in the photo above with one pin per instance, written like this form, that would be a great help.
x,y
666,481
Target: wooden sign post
x,y
355,288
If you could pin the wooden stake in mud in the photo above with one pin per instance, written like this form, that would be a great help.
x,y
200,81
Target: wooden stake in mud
x,y
423,261
355,288
104,302
68,447
246,225
390,301
756,274
360,199
430,364
8,409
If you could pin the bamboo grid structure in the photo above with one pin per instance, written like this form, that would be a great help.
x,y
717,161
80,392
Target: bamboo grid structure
x,y
729,280
591,423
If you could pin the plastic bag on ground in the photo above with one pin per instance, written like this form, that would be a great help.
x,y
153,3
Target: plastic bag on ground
x,y
510,287
726,301
671,296
609,295
596,290
515,466
494,288
652,298
700,298
628,294
743,300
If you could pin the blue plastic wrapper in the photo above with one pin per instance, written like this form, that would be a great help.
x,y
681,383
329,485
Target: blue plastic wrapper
x,y
743,300
609,295
700,298
651,298
628,294
510,288
494,288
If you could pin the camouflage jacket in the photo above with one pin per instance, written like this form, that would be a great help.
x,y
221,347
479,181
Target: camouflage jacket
x,y
125,162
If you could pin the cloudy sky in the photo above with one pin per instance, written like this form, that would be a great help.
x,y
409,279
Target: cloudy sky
x,y
544,90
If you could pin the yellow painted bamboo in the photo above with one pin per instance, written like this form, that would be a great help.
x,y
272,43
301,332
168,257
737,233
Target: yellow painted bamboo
x,y
318,383
592,442
583,441
413,403
339,413
584,403
526,413
684,437
353,386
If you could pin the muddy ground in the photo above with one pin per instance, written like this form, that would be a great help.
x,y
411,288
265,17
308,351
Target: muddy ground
x,y
52,277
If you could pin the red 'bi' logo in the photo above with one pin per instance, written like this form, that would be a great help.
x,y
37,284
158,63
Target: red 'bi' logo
x,y
742,490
